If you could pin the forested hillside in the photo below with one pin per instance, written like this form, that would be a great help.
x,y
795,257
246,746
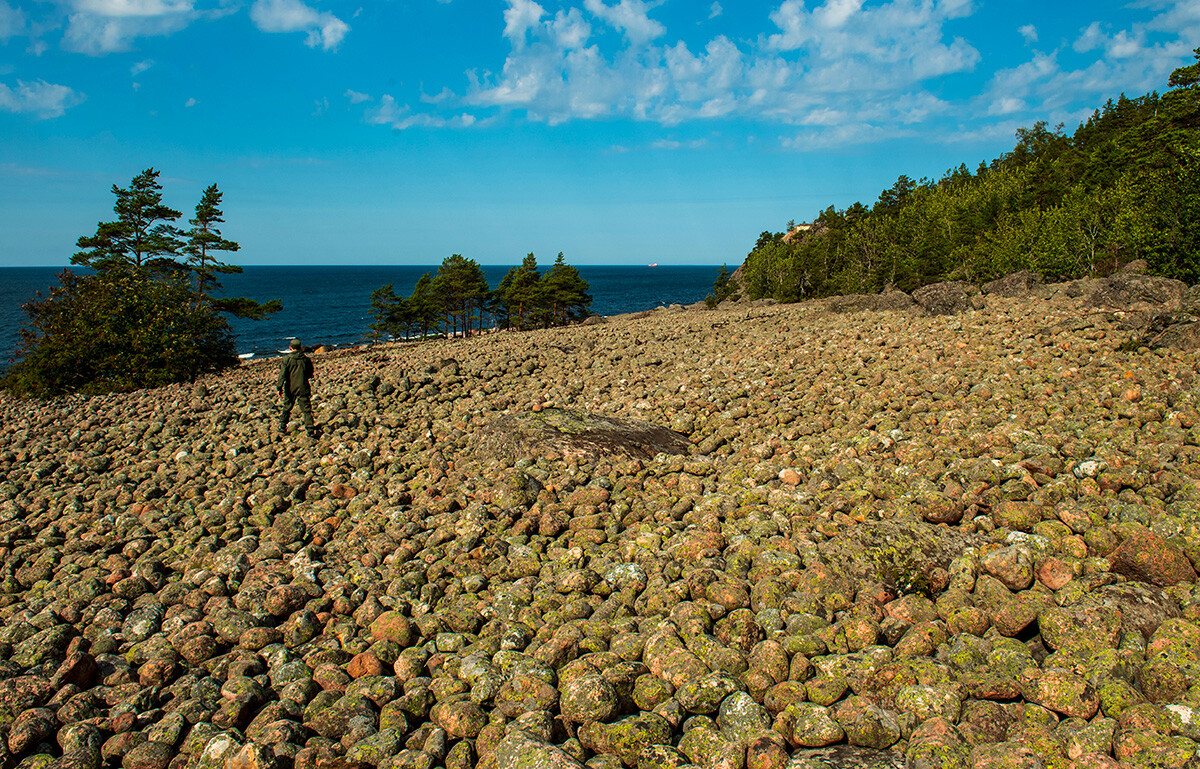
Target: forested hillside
x,y
1125,185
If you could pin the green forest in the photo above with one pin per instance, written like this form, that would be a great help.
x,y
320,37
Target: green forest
x,y
1124,185
457,300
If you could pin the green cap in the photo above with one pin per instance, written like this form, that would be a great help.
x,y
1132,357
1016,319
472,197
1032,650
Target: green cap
x,y
295,344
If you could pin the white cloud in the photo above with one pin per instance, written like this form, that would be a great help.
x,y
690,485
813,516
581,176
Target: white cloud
x,y
1113,60
672,145
714,11
140,67
12,21
323,28
570,30
519,18
189,103
400,117
106,26
630,17
45,100
839,71
865,63
133,8
357,98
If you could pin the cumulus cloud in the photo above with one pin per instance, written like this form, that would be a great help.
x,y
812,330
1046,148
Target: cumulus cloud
x,y
519,18
42,99
834,71
1063,84
357,98
714,11
630,17
838,51
323,28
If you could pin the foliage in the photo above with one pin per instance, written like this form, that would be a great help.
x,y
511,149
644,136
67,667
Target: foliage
x,y
1125,185
723,288
203,239
145,315
459,298
121,329
462,289
142,235
565,298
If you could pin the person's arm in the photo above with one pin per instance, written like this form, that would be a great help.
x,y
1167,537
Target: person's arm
x,y
282,376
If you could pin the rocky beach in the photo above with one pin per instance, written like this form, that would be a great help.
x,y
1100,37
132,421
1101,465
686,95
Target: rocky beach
x,y
960,531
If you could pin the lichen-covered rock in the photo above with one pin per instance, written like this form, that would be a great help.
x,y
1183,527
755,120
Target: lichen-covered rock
x,y
520,751
1147,557
805,724
576,433
937,528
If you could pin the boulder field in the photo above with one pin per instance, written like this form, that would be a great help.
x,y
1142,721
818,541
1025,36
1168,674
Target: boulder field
x,y
836,533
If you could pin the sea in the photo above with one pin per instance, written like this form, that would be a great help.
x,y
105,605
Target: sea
x,y
331,305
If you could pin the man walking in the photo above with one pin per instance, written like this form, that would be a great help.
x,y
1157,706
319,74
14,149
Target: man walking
x,y
295,370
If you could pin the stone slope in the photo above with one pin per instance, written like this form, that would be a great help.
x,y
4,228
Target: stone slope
x,y
961,540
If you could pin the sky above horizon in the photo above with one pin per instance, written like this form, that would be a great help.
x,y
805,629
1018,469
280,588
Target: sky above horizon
x,y
615,131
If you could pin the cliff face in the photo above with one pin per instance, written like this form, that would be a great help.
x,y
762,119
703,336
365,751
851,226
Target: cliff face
x,y
890,535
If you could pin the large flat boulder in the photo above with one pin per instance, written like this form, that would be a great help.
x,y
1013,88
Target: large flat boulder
x,y
579,434
1017,284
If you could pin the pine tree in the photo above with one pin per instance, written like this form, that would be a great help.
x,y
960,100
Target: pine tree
x,y
523,295
140,320
204,238
142,235
565,292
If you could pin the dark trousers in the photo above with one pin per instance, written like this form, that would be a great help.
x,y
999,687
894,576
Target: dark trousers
x,y
305,410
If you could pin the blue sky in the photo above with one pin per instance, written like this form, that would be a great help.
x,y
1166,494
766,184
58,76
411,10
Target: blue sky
x,y
616,131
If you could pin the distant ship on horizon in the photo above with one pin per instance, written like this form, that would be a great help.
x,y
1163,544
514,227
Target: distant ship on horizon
x,y
652,264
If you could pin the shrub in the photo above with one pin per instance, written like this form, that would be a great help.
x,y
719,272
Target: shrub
x,y
119,330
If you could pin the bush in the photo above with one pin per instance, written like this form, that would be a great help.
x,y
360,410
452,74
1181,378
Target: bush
x,y
119,330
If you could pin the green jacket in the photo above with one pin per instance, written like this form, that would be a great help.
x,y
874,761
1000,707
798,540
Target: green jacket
x,y
294,372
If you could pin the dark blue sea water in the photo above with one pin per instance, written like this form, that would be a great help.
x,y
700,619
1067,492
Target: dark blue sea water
x,y
332,304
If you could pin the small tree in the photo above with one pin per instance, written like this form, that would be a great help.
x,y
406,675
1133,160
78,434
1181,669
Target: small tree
x,y
722,288
462,288
204,238
424,305
388,310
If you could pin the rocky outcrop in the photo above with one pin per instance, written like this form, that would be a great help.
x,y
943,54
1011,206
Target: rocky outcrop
x,y
1130,289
